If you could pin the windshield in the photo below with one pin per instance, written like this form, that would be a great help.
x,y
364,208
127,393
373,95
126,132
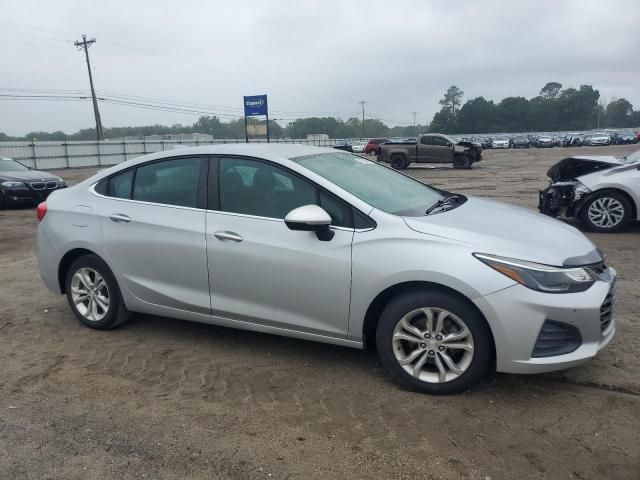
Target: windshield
x,y
632,158
9,165
379,186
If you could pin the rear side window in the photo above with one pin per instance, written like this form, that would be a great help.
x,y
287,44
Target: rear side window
x,y
426,141
171,182
120,185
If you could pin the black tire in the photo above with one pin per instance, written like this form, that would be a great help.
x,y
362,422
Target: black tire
x,y
2,202
461,161
116,313
399,161
622,200
411,301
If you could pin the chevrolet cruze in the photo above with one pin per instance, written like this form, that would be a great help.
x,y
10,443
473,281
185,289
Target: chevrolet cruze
x,y
325,245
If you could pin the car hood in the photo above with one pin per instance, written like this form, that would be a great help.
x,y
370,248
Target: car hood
x,y
28,176
574,167
501,229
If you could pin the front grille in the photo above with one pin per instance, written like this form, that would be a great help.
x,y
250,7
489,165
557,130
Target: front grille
x,y
38,185
556,338
52,185
606,310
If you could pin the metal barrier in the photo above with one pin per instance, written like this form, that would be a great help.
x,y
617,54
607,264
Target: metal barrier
x,y
51,155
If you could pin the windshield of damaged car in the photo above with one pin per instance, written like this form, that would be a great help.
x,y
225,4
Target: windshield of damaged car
x,y
9,165
380,187
632,158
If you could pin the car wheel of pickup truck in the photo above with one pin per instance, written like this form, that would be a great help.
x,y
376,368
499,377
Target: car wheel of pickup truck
x,y
461,161
399,162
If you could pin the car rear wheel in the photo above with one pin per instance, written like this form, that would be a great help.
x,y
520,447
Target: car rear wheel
x,y
461,161
399,162
433,342
93,294
606,212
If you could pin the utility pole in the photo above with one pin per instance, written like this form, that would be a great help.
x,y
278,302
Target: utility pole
x,y
85,44
414,121
362,102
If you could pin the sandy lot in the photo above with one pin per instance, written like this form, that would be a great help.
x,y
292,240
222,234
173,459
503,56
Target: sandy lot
x,y
160,398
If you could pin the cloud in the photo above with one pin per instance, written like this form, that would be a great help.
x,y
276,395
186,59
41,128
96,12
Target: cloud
x,y
311,58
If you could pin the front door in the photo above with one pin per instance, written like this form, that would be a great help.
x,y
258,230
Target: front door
x,y
262,272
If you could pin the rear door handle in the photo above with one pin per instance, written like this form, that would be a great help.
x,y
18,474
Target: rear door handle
x,y
119,217
224,235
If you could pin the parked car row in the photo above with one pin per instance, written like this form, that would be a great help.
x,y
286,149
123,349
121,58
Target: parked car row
x,y
556,140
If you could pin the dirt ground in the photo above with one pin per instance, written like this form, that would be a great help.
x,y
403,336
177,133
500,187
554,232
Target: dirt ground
x,y
164,399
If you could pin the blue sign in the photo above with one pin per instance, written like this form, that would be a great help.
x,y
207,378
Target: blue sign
x,y
255,105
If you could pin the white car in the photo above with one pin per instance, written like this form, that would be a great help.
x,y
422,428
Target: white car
x,y
597,139
358,147
602,192
500,142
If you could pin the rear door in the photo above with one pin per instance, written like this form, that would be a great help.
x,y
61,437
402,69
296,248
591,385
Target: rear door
x,y
153,226
262,272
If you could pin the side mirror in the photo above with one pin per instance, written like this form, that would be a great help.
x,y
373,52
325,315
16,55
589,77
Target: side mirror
x,y
310,218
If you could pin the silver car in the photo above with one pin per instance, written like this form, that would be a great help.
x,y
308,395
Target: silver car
x,y
324,245
602,192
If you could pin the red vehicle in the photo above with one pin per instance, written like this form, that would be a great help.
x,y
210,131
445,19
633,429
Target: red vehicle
x,y
373,146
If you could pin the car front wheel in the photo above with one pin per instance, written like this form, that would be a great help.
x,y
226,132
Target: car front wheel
x,y
93,294
433,342
606,212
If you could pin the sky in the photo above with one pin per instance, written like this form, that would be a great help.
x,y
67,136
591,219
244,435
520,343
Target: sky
x,y
312,58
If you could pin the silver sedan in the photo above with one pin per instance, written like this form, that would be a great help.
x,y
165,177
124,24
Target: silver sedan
x,y
324,245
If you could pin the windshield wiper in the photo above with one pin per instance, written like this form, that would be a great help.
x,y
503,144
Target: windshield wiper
x,y
443,202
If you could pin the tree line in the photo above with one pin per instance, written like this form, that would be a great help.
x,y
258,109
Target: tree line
x,y
554,109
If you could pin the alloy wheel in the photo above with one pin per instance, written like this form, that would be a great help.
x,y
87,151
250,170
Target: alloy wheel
x,y
433,345
605,212
90,294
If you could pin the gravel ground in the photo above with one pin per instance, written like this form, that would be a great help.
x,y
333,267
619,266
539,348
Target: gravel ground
x,y
160,398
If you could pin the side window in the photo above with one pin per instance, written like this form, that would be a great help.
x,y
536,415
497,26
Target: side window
x,y
261,189
439,141
171,182
120,185
340,213
426,140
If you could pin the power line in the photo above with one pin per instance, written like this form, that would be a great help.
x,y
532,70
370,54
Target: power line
x,y
85,44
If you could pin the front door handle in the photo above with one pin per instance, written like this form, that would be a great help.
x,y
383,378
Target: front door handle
x,y
119,217
224,235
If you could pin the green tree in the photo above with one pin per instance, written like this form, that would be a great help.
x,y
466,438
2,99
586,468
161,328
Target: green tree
x,y
477,116
551,90
452,100
619,114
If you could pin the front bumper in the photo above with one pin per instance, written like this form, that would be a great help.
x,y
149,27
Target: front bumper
x,y
26,195
516,316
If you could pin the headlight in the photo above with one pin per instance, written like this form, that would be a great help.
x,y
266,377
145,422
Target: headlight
x,y
579,191
13,184
61,183
542,278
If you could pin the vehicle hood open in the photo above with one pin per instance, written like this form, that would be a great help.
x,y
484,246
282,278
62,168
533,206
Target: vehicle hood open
x,y
574,167
507,230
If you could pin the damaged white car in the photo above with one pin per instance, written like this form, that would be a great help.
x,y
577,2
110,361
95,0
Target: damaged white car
x,y
602,193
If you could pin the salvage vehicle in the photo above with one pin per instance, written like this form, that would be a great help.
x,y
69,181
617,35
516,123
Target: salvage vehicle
x,y
500,142
373,146
20,185
520,142
323,245
623,138
602,192
431,148
544,141
345,146
597,139
572,140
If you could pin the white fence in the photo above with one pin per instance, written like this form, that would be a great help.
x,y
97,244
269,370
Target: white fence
x,y
75,154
